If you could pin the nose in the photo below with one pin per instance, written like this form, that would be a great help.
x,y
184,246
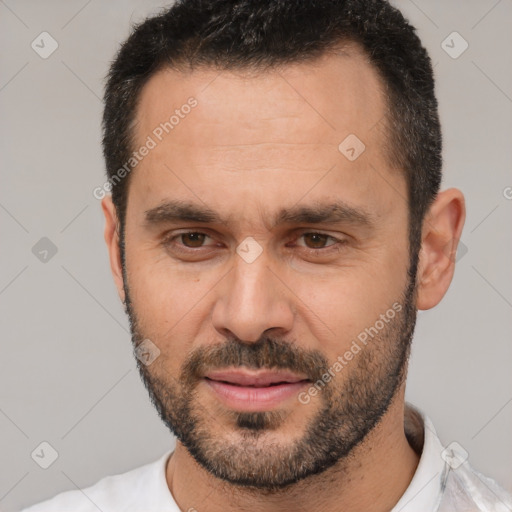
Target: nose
x,y
252,300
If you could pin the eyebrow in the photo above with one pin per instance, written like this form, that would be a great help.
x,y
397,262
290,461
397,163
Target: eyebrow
x,y
316,213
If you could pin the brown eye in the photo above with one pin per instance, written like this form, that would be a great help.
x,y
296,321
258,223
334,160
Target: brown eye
x,y
193,239
315,240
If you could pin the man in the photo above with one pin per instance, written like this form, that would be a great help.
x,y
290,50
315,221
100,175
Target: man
x,y
275,223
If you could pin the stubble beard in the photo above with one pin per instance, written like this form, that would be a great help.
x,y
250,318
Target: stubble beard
x,y
245,448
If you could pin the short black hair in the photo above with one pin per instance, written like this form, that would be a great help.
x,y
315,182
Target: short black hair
x,y
264,34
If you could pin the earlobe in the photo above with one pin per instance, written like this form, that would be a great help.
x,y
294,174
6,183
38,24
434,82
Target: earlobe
x,y
111,235
442,228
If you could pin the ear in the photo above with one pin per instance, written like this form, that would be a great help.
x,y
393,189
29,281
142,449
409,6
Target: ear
x,y
442,228
112,240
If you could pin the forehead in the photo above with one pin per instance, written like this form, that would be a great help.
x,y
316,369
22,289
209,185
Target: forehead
x,y
261,131
335,94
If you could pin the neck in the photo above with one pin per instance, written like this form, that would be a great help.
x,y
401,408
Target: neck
x,y
374,476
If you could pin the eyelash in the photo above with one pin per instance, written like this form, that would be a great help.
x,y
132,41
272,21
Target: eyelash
x,y
168,241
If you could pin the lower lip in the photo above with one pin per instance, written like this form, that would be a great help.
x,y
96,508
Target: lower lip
x,y
248,398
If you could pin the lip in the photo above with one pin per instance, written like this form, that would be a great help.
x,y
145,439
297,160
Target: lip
x,y
254,390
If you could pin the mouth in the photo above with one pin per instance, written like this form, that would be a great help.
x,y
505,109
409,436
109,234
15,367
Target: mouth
x,y
252,391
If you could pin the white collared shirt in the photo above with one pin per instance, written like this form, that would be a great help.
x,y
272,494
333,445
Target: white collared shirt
x,y
443,482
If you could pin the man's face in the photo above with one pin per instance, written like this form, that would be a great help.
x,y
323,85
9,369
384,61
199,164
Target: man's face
x,y
246,326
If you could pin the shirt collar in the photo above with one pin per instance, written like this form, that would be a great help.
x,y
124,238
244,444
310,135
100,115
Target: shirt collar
x,y
425,490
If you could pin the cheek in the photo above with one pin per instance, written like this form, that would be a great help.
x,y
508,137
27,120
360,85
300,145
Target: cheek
x,y
166,306
164,297
170,303
338,309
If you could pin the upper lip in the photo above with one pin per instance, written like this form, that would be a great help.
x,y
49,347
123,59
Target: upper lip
x,y
256,377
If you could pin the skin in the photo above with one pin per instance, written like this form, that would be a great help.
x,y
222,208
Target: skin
x,y
253,145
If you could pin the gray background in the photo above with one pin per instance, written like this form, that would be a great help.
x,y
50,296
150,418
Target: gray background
x,y
67,372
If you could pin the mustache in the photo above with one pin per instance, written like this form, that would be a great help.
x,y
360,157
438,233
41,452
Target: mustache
x,y
268,353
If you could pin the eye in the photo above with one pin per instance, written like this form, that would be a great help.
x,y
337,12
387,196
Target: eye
x,y
193,239
317,240
185,241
